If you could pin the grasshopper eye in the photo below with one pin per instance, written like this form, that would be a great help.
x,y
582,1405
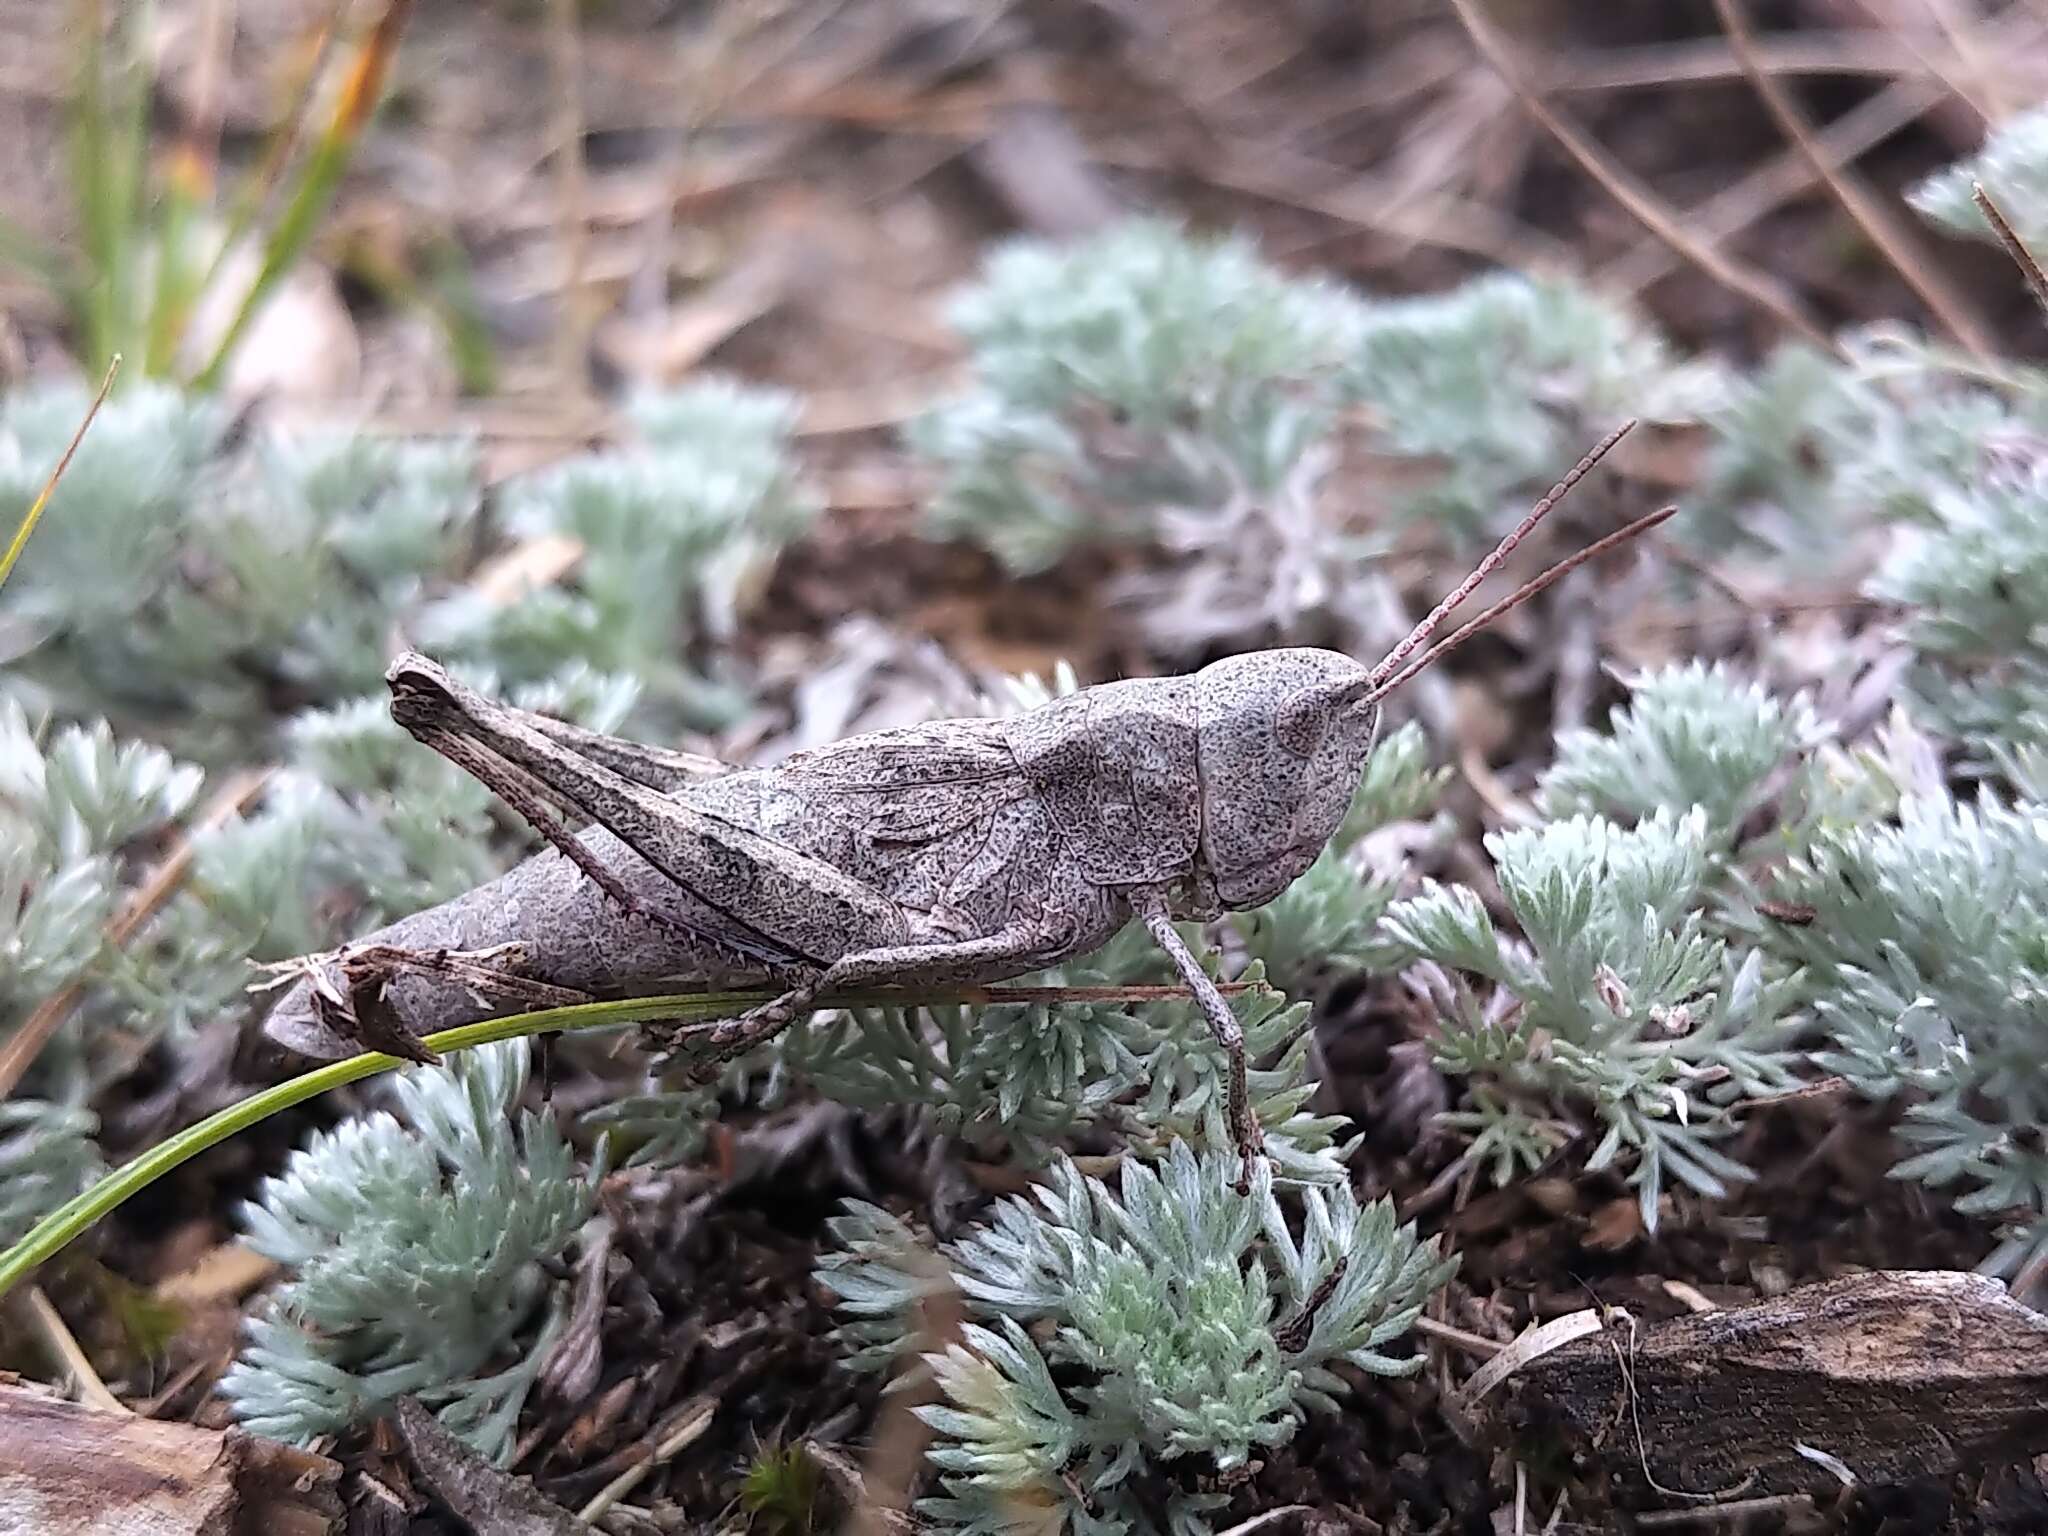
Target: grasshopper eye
x,y
1303,723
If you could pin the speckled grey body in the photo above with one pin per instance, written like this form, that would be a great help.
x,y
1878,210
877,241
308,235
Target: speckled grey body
x,y
963,850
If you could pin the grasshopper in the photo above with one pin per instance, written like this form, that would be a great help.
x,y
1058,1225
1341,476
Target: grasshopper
x,y
960,851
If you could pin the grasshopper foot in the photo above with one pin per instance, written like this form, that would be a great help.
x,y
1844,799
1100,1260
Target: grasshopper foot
x,y
1250,1141
725,1040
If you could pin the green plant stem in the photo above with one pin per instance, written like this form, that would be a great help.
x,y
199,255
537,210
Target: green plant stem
x,y
55,1231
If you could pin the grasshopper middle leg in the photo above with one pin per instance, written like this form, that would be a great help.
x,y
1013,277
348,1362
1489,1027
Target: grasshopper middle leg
x,y
893,965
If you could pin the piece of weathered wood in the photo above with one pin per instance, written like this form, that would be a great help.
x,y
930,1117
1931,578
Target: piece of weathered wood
x,y
488,1500
72,1471
1892,1376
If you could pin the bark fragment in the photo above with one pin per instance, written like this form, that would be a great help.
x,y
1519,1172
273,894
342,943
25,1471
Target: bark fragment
x,y
1893,1376
71,1471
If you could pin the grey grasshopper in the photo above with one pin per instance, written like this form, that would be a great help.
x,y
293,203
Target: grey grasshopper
x,y
961,851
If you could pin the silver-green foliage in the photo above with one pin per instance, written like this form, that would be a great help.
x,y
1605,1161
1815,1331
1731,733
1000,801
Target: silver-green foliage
x,y
2013,168
1500,384
414,1246
1929,941
673,528
1152,387
72,801
1692,735
1973,573
1118,1331
1615,1001
47,1155
195,577
1028,1076
236,591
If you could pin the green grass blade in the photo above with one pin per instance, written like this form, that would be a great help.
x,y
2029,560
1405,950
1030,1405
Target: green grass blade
x,y
177,274
55,1231
34,514
109,154
318,179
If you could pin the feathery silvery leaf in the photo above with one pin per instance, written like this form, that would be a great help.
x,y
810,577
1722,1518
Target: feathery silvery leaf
x,y
1156,388
413,1245
1499,382
1189,1321
1644,1019
1690,735
1926,939
2012,165
47,1155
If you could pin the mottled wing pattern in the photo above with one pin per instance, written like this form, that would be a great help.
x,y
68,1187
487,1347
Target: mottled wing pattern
x,y
907,811
917,783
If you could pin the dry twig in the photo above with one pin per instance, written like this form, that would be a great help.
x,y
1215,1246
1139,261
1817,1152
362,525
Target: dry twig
x,y
1638,200
1885,230
49,1327
1733,209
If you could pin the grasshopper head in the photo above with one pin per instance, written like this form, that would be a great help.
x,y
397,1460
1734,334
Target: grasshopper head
x,y
1283,736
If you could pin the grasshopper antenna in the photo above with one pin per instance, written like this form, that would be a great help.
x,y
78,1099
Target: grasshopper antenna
x,y
1382,687
1419,635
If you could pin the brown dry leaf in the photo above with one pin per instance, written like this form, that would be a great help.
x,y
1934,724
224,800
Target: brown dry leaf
x,y
225,1273
1614,1226
1552,1195
661,349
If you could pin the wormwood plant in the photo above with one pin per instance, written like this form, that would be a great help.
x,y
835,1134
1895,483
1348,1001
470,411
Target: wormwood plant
x,y
1152,388
1927,940
1615,1000
1630,990
1119,1332
415,1244
1173,393
234,593
47,1155
2012,166
1972,571
69,806
676,529
1487,388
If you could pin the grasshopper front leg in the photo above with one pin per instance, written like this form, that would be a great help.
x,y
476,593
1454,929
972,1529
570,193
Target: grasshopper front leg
x,y
1151,907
